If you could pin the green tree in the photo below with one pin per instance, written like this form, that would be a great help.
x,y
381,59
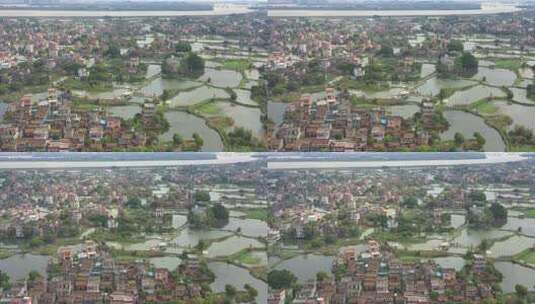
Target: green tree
x,y
278,279
201,245
4,281
36,242
34,275
531,91
442,93
466,64
183,47
321,276
166,94
98,220
484,245
346,68
113,51
386,51
177,139
521,291
199,142
220,212
521,135
458,138
233,95
455,46
230,291
477,196
410,202
251,291
241,139
192,65
479,139
498,212
134,203
202,196
509,93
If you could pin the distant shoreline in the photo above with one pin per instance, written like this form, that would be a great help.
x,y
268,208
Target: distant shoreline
x,y
331,12
114,6
13,8
491,158
352,8
118,13
124,11
101,10
58,165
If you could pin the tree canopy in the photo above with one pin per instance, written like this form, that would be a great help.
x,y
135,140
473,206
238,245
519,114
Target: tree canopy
x,y
183,47
278,279
466,63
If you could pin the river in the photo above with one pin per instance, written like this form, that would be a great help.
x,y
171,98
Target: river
x,y
495,9
229,9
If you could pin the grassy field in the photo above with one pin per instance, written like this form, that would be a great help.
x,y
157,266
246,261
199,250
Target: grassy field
x,y
220,122
522,149
499,121
236,64
85,106
509,64
4,254
255,213
207,108
526,256
484,107
413,256
74,84
246,257
528,212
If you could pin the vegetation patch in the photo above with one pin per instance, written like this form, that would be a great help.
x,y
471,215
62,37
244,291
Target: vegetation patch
x,y
526,256
236,64
528,212
255,213
247,257
484,107
207,108
509,64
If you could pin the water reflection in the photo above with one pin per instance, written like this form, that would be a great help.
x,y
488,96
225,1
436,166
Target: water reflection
x,y
186,124
514,274
238,277
496,77
197,95
476,93
305,267
221,78
467,124
20,265
232,245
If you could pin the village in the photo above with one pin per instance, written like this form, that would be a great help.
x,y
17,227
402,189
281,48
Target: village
x,y
105,72
246,82
393,235
473,75
332,125
280,152
187,234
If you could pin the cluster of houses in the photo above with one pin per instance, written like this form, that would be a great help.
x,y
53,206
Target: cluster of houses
x,y
333,124
375,276
53,124
36,205
88,274
62,44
